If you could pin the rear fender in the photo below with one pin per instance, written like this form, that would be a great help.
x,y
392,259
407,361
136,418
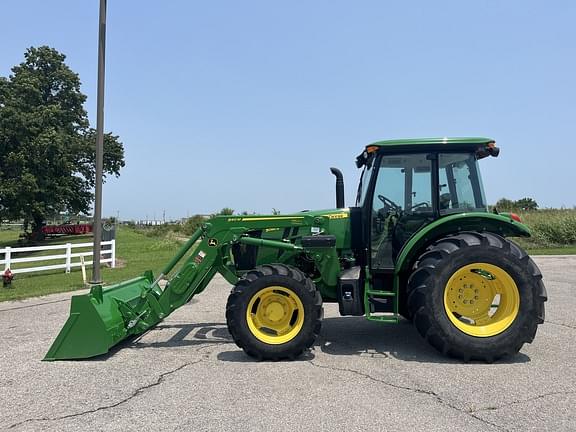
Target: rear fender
x,y
499,224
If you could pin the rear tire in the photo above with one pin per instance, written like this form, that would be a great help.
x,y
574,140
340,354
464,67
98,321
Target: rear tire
x,y
452,291
274,312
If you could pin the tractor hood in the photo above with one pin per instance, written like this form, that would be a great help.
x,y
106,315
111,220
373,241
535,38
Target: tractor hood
x,y
291,227
342,213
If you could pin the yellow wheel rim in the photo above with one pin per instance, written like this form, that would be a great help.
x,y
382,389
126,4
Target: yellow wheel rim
x,y
275,315
481,299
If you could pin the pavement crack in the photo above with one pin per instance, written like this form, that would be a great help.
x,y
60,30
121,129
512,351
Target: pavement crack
x,y
370,377
416,390
522,401
34,305
133,395
561,324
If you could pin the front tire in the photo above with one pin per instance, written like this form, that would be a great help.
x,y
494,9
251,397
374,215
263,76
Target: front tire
x,y
476,296
274,312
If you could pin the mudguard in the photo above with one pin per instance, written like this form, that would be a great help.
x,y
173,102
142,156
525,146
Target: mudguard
x,y
502,225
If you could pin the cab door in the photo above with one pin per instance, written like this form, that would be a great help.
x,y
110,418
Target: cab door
x,y
402,202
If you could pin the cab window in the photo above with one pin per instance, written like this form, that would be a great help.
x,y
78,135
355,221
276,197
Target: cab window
x,y
460,184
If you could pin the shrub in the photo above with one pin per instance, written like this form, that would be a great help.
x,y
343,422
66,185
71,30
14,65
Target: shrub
x,y
192,224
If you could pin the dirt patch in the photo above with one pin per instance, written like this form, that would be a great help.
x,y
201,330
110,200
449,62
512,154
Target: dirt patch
x,y
120,263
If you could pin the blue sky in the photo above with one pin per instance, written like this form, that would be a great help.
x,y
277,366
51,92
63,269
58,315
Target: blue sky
x,y
248,104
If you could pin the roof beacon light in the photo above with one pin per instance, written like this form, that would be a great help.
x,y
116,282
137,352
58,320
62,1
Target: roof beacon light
x,y
372,149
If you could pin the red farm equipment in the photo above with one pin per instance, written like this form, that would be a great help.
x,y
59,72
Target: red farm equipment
x,y
66,229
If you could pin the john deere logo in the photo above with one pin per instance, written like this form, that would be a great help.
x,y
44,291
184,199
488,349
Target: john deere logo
x,y
212,242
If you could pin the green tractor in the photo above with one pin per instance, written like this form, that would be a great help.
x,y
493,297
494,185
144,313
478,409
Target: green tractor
x,y
419,243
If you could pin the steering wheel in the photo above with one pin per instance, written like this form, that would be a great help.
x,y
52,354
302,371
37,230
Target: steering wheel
x,y
421,204
390,203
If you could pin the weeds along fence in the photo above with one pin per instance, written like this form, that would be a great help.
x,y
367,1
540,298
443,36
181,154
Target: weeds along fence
x,y
71,255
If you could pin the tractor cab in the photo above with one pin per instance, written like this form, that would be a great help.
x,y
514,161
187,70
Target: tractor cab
x,y
408,184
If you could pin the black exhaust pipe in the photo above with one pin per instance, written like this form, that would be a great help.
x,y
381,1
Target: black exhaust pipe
x,y
339,187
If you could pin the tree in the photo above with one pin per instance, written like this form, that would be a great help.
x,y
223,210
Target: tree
x,y
504,204
226,211
527,204
47,148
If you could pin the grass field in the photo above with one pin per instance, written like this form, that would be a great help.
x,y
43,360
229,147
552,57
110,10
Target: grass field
x,y
135,254
554,233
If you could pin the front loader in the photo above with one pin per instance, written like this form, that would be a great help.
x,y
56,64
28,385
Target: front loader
x,y
419,243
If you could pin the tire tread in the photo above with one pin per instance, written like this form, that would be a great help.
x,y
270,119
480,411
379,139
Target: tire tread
x,y
437,255
240,291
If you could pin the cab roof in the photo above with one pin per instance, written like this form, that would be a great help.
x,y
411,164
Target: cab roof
x,y
465,141
482,146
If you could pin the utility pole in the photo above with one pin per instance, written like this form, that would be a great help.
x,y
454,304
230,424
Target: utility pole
x,y
97,229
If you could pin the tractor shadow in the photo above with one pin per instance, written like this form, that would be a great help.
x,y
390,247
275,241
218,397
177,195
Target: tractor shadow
x,y
340,336
169,335
356,336
184,335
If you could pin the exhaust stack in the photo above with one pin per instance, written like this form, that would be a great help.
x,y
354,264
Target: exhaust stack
x,y
339,187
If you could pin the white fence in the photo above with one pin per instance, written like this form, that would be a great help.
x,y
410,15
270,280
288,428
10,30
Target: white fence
x,y
108,255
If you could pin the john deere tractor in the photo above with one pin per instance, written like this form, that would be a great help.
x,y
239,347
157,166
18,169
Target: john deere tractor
x,y
419,242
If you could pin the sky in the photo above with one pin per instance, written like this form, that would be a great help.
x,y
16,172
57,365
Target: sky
x,y
248,104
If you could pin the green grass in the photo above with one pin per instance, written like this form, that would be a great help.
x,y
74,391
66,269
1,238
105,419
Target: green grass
x,y
9,237
135,254
553,232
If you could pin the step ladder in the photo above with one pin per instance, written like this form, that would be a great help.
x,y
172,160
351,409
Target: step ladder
x,y
371,296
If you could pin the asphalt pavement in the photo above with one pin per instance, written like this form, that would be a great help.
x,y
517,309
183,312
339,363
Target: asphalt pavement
x,y
188,375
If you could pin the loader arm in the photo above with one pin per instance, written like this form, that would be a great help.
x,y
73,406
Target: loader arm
x,y
106,316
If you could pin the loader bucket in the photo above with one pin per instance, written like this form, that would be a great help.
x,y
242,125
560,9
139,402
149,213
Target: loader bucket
x,y
104,317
